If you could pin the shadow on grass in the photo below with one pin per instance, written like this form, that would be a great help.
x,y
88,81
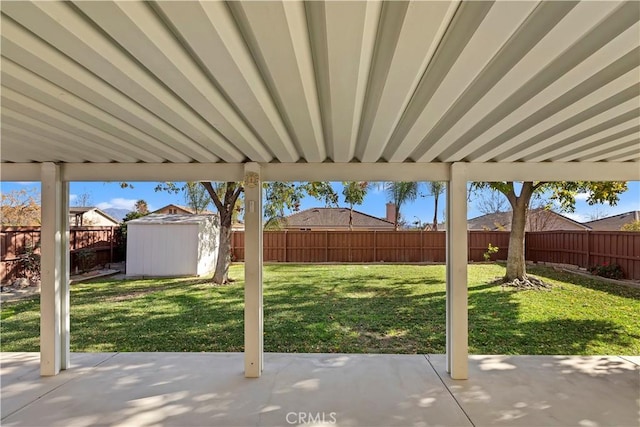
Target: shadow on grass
x,y
495,328
587,282
304,313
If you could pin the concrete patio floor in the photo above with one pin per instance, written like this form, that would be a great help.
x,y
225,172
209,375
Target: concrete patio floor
x,y
209,389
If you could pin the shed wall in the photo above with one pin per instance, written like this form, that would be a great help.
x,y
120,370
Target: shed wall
x,y
162,249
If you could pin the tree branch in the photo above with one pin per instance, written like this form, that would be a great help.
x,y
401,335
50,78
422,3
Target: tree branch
x,y
213,194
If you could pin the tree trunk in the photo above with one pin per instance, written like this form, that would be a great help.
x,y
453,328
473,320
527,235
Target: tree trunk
x,y
351,218
221,274
435,213
515,259
225,208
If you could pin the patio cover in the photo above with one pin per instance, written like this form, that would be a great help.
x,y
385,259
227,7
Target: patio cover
x,y
452,91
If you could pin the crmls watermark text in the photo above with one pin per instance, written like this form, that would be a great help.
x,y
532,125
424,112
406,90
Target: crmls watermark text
x,y
311,418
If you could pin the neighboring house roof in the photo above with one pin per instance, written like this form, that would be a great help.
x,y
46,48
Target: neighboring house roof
x,y
614,222
182,210
537,220
81,210
334,218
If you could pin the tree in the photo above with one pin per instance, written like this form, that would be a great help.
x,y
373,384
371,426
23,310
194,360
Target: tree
x,y
354,193
436,188
632,226
141,207
196,197
561,192
492,202
226,198
596,214
399,193
83,199
281,197
21,207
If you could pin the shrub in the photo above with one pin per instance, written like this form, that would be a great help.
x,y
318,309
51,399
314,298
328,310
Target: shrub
x,y
611,271
86,259
490,251
30,262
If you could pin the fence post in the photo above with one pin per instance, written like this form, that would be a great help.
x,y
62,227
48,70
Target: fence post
x,y
375,246
326,245
588,249
111,236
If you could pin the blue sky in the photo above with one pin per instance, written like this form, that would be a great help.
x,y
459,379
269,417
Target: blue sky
x,y
109,194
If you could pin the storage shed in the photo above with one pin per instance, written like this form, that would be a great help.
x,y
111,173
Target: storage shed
x,y
172,245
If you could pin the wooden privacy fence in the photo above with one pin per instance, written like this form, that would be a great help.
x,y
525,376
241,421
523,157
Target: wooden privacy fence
x,y
367,246
587,248
581,248
15,240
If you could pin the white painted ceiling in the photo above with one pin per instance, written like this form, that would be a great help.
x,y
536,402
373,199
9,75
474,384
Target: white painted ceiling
x,y
313,82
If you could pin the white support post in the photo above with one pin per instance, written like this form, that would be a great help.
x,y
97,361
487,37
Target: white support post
x,y
253,323
54,295
457,304
65,291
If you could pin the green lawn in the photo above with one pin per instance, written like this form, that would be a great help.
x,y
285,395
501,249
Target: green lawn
x,y
348,308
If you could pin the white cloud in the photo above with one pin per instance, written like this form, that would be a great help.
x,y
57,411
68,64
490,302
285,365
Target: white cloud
x,y
73,198
118,203
582,196
576,216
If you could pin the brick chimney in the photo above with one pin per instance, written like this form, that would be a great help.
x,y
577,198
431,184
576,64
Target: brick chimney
x,y
391,212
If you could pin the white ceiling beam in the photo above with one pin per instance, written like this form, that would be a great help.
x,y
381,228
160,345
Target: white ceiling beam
x,y
602,140
343,37
500,22
47,146
153,172
20,172
94,137
32,53
78,38
599,130
23,111
632,155
556,171
620,150
137,29
570,171
607,143
278,37
29,84
355,172
521,63
210,32
408,35
508,139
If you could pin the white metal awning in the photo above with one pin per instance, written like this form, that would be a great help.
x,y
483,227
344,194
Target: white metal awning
x,y
286,81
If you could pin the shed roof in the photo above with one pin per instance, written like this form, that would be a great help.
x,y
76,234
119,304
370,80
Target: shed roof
x,y
172,219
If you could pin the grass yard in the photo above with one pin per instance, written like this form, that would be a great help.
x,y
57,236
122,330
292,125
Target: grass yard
x,y
342,308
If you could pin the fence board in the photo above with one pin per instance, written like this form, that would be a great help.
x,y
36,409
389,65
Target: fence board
x,y
587,248
14,240
581,248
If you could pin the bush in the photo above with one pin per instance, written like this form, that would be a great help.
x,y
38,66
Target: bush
x,y
30,262
490,251
611,271
86,259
